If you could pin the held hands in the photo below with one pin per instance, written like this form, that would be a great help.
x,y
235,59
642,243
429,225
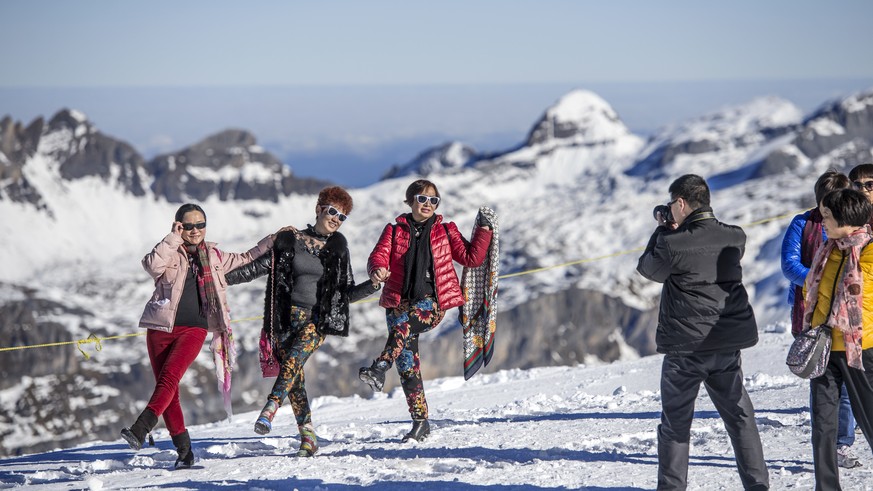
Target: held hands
x,y
379,275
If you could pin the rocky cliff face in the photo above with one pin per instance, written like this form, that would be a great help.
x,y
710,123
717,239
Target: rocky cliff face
x,y
229,165
840,132
17,144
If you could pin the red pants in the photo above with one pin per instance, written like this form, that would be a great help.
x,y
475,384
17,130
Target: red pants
x,y
171,353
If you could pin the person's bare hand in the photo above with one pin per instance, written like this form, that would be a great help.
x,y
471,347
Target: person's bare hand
x,y
379,275
176,228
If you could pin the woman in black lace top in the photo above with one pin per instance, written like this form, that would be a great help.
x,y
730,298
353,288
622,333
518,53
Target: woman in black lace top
x,y
309,288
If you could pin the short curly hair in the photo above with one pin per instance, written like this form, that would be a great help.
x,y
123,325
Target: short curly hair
x,y
338,197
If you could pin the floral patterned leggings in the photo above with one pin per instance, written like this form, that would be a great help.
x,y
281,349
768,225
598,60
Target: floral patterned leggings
x,y
293,347
405,323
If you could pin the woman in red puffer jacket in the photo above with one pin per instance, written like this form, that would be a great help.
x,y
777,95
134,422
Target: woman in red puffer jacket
x,y
413,257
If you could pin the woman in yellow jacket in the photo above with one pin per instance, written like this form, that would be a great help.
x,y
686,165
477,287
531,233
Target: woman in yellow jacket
x,y
839,294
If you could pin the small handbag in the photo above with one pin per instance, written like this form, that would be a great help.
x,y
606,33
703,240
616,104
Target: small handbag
x,y
266,356
269,363
809,353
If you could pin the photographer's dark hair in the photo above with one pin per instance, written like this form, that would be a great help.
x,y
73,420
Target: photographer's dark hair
x,y
417,187
831,180
692,188
180,213
848,207
861,171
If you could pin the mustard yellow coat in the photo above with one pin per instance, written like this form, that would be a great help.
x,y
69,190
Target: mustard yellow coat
x,y
825,292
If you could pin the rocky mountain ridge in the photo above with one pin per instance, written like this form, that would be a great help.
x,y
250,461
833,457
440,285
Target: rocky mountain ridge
x,y
228,165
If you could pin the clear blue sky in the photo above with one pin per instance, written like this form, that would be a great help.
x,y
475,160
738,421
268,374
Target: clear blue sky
x,y
383,79
126,43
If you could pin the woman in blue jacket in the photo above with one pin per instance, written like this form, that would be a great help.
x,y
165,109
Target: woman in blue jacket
x,y
804,235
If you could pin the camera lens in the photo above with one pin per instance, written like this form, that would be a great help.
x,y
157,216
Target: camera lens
x,y
664,212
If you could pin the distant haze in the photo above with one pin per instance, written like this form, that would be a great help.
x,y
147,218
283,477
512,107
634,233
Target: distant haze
x,y
351,135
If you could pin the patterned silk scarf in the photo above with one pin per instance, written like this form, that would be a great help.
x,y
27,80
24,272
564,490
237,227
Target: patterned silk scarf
x,y
810,241
846,312
205,282
222,345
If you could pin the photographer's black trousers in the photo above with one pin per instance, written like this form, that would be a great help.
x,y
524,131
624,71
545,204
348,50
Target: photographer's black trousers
x,y
721,374
825,396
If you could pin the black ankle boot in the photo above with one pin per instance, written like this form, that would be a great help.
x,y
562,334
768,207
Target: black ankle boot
x,y
419,432
136,434
183,447
374,376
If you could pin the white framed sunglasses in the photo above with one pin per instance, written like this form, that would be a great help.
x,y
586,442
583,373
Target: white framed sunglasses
x,y
335,213
423,198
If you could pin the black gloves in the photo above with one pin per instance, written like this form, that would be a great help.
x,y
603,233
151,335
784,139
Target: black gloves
x,y
482,221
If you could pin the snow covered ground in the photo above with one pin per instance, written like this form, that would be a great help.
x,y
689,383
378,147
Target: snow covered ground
x,y
583,427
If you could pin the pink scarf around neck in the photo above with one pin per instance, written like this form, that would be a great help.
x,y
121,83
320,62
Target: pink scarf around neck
x,y
846,311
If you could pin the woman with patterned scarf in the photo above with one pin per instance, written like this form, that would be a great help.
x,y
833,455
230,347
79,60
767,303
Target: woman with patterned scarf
x,y
414,258
803,237
309,288
839,294
189,300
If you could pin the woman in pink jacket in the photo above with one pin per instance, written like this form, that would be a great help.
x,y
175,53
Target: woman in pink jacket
x,y
189,300
413,257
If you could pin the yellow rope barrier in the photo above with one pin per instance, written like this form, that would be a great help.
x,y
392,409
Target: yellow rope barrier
x,y
97,341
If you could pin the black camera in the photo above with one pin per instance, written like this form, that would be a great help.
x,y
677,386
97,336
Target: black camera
x,y
664,212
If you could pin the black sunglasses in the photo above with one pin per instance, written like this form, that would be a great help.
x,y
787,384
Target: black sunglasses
x,y
421,198
192,226
868,185
335,213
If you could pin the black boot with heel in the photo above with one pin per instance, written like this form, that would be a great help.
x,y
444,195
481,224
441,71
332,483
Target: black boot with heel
x,y
183,447
419,432
135,435
374,375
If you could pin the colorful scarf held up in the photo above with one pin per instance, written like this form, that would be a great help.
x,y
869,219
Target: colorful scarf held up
x,y
846,312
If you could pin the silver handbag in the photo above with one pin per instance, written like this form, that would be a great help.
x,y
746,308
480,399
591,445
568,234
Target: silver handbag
x,y
809,353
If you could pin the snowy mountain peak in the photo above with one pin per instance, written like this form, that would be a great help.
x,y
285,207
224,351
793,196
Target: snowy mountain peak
x,y
442,158
228,164
70,119
581,116
699,145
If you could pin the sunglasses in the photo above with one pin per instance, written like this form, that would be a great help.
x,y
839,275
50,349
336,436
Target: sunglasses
x,y
421,198
192,226
868,185
335,213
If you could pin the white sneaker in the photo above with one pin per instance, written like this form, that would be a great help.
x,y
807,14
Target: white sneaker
x,y
845,457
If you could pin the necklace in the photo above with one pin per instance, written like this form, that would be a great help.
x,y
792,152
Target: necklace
x,y
416,227
313,241
310,230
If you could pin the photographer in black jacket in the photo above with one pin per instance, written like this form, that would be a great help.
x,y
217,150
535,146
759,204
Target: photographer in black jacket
x,y
705,320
